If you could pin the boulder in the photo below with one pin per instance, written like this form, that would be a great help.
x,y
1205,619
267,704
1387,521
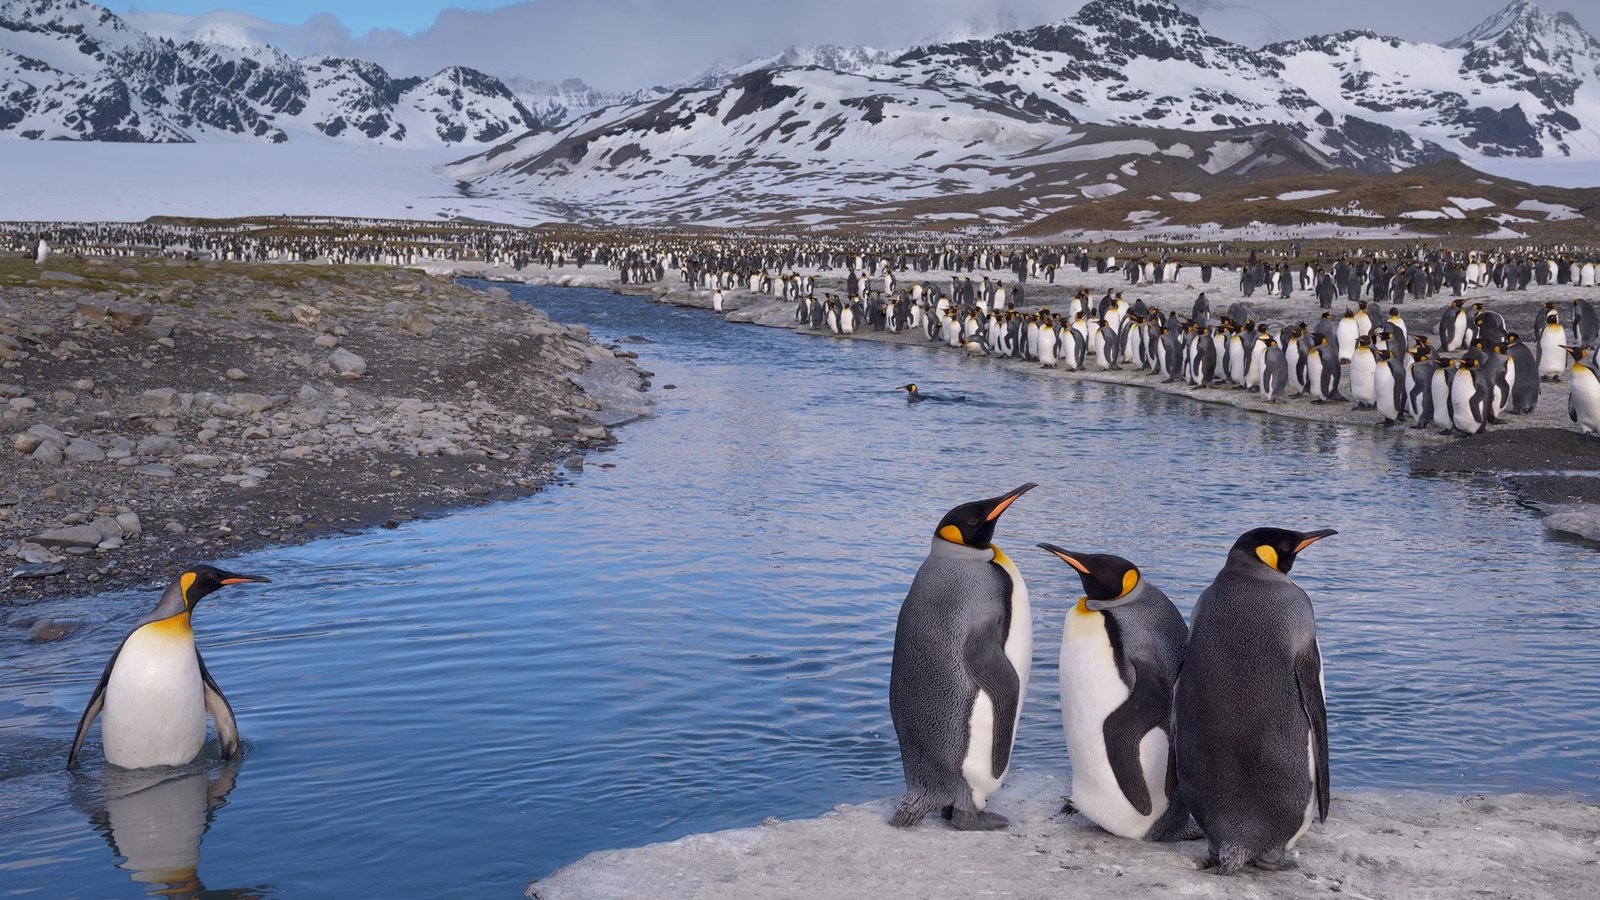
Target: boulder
x,y
347,364
70,536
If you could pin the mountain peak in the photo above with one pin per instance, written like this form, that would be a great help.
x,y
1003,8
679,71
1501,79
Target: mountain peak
x,y
1519,17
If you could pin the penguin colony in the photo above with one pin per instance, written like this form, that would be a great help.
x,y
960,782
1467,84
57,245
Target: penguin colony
x,y
1223,720
1478,372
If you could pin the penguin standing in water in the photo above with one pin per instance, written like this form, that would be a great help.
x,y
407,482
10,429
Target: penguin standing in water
x,y
1252,725
1121,649
155,691
963,648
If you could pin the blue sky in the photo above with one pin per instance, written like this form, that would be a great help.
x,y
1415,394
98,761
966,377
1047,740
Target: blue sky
x,y
360,16
627,44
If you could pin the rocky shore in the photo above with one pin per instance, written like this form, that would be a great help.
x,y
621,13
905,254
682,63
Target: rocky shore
x,y
1373,845
160,412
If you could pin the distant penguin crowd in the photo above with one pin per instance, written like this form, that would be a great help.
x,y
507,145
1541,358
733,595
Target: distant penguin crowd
x,y
1215,729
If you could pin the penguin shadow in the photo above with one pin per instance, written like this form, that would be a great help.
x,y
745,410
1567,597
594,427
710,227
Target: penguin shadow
x,y
154,820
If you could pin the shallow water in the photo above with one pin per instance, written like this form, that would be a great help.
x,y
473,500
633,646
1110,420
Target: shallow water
x,y
695,632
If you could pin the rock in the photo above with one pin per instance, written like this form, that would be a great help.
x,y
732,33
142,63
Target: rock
x,y
9,390
160,327
48,453
314,418
64,277
82,451
37,570
168,343
160,399
41,434
236,375
200,461
415,323
107,527
129,523
296,453
174,528
347,364
306,314
110,544
254,403
159,445
413,407
46,630
136,315
22,404
326,341
156,471
70,536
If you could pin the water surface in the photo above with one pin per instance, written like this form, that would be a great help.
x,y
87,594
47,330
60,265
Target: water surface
x,y
695,632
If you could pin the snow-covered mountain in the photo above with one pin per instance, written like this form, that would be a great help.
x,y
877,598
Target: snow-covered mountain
x,y
823,56
1122,96
73,70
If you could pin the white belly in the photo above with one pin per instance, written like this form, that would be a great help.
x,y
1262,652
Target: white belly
x,y
977,766
155,712
1091,690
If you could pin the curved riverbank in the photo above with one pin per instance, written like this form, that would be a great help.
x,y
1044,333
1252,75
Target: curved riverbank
x,y
1373,845
159,411
1539,455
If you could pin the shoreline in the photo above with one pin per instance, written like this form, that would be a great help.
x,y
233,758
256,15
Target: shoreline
x,y
198,412
1565,490
1374,844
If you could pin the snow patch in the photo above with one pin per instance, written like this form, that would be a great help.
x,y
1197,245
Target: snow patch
x,y
1471,203
1554,212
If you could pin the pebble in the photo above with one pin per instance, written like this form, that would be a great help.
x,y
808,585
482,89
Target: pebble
x,y
155,470
38,570
69,537
84,451
159,445
347,364
237,375
48,453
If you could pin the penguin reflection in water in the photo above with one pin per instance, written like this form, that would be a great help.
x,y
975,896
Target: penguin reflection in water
x,y
963,646
155,819
1121,649
1252,725
155,691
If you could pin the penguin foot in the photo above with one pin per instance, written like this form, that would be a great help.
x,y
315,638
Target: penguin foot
x,y
1276,861
964,820
1068,808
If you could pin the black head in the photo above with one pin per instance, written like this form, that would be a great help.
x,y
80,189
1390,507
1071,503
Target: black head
x,y
972,524
1106,579
908,388
1278,547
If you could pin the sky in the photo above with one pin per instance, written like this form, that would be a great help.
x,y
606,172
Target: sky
x,y
626,44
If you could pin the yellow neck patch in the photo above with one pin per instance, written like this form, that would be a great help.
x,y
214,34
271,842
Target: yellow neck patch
x,y
1000,556
1268,555
1082,608
952,534
172,626
186,581
1130,580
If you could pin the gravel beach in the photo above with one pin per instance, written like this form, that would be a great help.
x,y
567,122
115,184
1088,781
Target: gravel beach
x,y
158,412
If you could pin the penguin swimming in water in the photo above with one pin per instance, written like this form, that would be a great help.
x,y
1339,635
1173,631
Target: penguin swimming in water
x,y
1121,649
1252,725
914,394
963,648
155,690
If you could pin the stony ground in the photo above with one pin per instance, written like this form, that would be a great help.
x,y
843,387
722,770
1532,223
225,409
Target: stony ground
x,y
1412,846
157,413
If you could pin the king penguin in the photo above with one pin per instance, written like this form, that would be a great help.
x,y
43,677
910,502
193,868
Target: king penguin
x,y
1252,724
1121,649
155,690
963,647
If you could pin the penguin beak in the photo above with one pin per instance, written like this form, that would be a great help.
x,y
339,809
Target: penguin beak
x,y
1311,537
1065,557
1004,502
235,578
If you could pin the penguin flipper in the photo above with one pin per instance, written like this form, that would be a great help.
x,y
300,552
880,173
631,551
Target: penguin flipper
x,y
97,702
221,712
986,659
1145,708
1308,677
